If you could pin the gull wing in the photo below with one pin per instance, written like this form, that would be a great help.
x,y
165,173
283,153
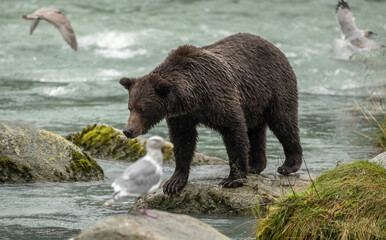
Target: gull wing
x,y
60,21
365,43
69,35
346,21
139,178
34,24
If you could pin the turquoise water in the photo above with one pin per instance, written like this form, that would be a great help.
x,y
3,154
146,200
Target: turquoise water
x,y
46,84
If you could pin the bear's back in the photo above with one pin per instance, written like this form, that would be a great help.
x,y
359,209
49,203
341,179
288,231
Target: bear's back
x,y
259,68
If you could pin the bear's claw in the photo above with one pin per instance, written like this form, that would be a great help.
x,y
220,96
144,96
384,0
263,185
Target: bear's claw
x,y
286,170
173,185
232,183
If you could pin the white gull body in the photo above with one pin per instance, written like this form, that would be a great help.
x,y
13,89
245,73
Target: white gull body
x,y
143,176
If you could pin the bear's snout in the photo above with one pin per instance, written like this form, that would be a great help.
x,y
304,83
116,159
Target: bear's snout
x,y
135,125
129,133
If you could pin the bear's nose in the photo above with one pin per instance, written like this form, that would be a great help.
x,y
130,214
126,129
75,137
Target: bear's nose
x,y
128,133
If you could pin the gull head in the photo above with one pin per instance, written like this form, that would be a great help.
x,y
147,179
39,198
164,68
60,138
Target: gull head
x,y
368,33
157,142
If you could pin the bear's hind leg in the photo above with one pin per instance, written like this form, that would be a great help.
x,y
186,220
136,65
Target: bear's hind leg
x,y
284,124
257,142
183,135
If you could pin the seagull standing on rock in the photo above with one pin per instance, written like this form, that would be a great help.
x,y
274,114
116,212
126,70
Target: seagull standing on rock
x,y
58,19
352,38
143,176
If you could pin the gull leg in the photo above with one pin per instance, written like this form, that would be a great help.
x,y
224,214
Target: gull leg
x,y
145,210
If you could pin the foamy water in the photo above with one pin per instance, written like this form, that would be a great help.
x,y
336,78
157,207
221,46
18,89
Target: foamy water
x,y
113,44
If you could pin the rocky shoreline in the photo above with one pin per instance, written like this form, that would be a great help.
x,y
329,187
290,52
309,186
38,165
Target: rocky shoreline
x,y
28,154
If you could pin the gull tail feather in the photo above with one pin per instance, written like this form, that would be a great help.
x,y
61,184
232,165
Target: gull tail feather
x,y
342,49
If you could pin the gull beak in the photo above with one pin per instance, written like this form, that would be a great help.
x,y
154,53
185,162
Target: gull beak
x,y
168,145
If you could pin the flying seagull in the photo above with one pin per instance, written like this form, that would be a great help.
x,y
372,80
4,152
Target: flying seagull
x,y
58,19
352,38
142,177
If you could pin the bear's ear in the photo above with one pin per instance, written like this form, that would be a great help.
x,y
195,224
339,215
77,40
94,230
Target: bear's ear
x,y
162,88
126,82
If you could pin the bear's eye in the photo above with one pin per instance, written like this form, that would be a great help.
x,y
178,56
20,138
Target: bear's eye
x,y
140,110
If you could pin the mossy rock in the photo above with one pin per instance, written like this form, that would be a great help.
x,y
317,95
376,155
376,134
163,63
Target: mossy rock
x,y
202,195
347,202
106,142
28,154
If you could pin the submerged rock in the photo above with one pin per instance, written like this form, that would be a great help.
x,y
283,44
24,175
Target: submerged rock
x,y
166,226
202,195
106,142
29,154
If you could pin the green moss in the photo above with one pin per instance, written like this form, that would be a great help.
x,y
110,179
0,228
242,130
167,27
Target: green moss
x,y
81,162
83,166
132,141
134,149
26,168
168,154
350,203
10,170
94,136
9,165
107,142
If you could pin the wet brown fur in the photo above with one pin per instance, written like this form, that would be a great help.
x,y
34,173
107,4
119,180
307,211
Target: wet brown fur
x,y
237,86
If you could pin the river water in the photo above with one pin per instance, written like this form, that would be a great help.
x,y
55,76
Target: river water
x,y
46,84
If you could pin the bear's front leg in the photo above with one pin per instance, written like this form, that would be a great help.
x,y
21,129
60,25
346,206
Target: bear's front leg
x,y
183,135
237,144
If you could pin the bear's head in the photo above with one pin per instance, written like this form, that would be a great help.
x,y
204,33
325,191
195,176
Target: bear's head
x,y
148,99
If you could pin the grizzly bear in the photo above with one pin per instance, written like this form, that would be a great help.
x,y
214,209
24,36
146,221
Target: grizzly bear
x,y
237,86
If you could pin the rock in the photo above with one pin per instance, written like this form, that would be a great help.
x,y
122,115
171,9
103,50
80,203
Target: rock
x,y
203,196
202,159
106,142
28,154
380,159
166,226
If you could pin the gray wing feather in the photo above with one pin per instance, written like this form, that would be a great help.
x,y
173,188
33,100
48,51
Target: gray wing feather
x,y
34,24
139,178
365,43
346,21
60,21
68,35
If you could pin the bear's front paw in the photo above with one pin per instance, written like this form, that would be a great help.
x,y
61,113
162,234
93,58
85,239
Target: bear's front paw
x,y
232,183
174,184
